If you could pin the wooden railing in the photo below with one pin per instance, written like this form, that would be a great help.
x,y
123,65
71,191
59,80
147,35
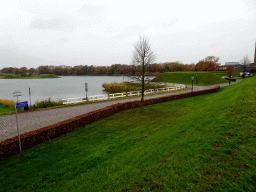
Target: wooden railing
x,y
74,100
120,95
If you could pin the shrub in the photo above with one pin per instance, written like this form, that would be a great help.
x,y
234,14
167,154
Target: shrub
x,y
126,87
48,76
47,103
9,77
115,87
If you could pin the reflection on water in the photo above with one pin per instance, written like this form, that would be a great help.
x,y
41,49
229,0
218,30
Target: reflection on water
x,y
56,88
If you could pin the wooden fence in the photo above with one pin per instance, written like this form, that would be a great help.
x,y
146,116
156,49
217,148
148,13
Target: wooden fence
x,y
120,95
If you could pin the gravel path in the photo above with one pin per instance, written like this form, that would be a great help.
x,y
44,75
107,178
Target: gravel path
x,y
37,119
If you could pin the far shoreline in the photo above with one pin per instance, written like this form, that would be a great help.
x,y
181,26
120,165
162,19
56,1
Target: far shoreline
x,y
29,76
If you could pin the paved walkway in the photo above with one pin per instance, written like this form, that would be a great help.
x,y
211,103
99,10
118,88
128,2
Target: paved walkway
x,y
37,119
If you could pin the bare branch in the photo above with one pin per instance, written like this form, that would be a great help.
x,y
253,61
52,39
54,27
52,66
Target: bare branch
x,y
143,56
245,60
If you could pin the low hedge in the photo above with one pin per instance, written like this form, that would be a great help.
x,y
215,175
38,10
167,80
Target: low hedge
x,y
10,147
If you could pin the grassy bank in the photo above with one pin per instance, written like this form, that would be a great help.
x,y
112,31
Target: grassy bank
x,y
27,76
6,107
6,110
204,78
126,87
204,143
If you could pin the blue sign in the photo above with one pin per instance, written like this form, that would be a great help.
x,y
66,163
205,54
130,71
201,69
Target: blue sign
x,y
231,76
21,104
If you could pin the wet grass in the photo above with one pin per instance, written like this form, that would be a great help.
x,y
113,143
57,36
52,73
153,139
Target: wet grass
x,y
203,143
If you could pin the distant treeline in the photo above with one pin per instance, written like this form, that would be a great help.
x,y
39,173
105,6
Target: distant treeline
x,y
208,64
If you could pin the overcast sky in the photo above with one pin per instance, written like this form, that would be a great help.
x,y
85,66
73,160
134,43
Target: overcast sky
x,y
83,32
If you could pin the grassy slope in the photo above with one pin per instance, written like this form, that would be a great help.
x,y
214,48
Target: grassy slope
x,y
204,143
6,107
204,78
33,76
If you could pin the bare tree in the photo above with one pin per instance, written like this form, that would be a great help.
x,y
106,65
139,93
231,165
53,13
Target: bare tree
x,y
142,57
245,62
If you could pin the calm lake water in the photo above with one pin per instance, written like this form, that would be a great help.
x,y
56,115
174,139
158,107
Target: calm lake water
x,y
56,88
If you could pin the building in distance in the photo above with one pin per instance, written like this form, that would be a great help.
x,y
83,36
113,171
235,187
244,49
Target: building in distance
x,y
232,63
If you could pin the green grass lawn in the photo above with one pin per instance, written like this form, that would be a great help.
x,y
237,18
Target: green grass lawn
x,y
27,76
6,110
203,143
6,107
204,78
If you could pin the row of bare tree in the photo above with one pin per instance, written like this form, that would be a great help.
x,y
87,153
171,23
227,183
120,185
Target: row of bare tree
x,y
207,64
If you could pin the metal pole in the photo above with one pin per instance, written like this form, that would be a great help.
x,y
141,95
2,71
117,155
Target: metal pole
x,y
86,89
30,96
192,86
18,126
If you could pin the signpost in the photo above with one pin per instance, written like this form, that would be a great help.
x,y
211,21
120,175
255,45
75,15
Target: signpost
x,y
21,104
192,78
17,94
17,106
29,95
86,89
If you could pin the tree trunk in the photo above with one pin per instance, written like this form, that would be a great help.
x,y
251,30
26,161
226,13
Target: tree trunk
x,y
143,85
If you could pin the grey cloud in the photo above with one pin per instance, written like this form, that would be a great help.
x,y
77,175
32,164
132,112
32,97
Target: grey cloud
x,y
52,24
168,22
11,56
62,41
92,11
93,15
